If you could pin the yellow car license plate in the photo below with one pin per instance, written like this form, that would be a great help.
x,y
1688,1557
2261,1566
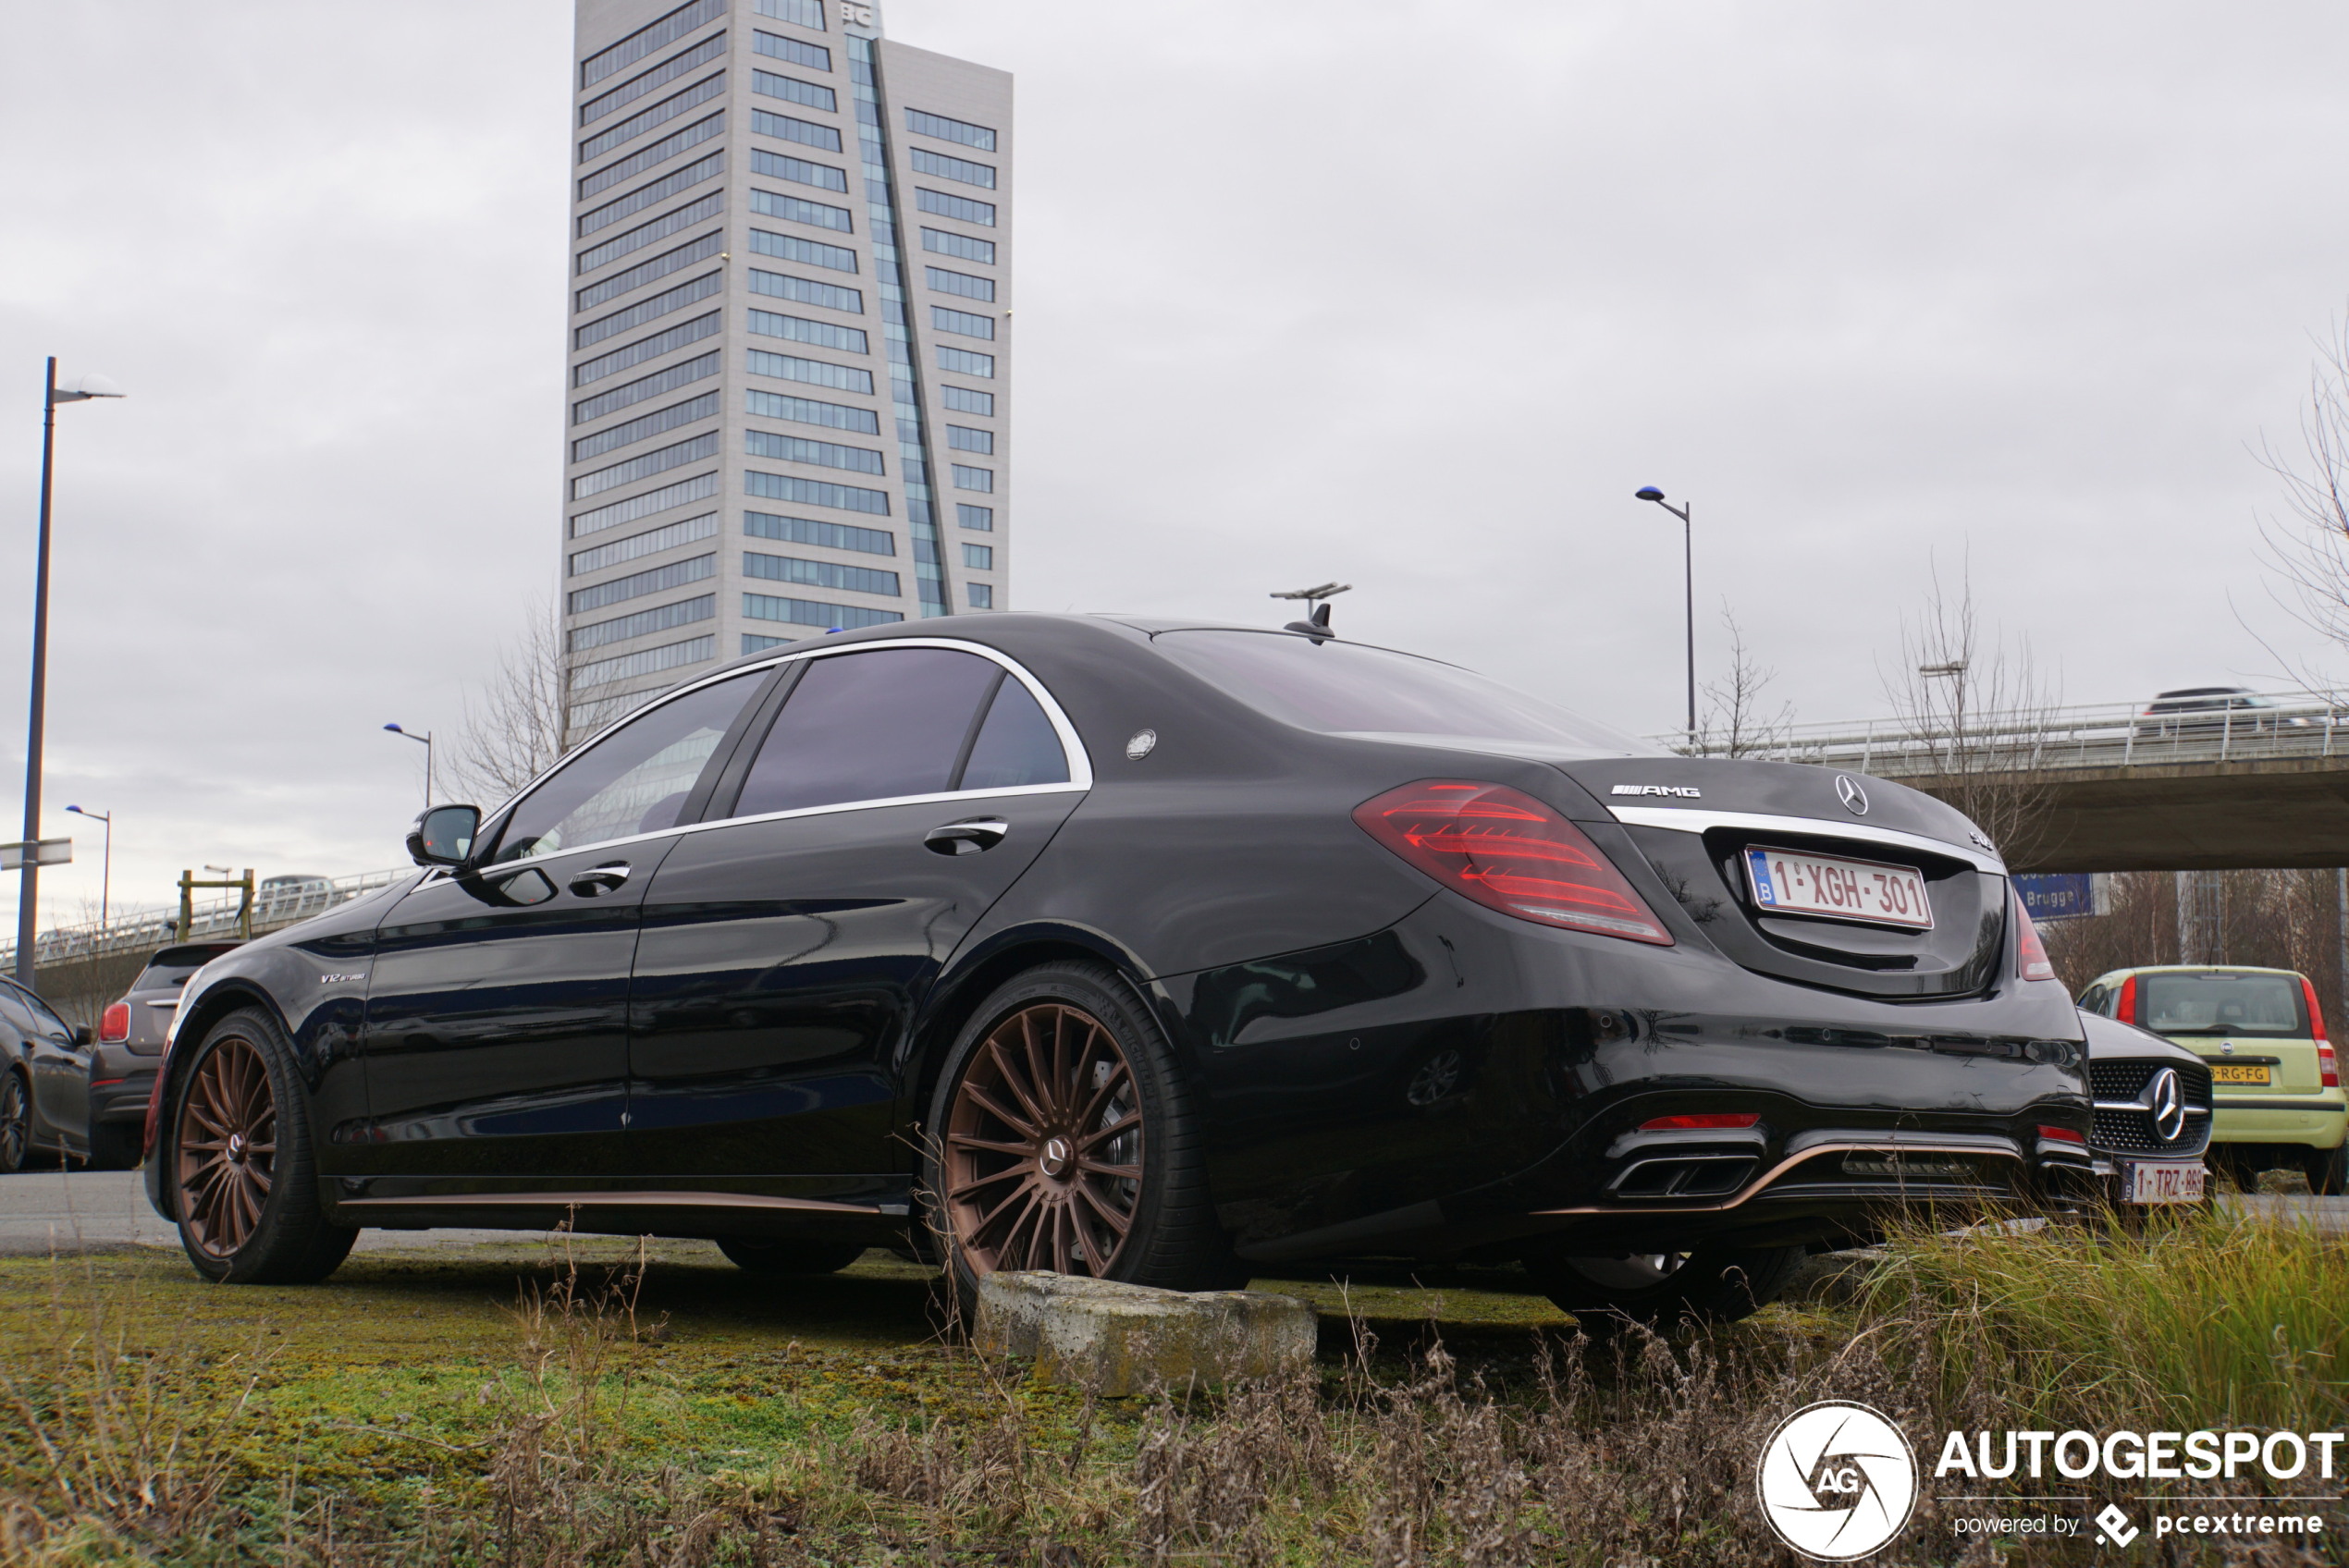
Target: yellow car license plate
x,y
2238,1072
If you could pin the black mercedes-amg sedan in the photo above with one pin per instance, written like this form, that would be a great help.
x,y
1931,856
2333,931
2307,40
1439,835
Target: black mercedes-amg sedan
x,y
1153,950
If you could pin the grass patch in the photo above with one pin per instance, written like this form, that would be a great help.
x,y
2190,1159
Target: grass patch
x,y
606,1402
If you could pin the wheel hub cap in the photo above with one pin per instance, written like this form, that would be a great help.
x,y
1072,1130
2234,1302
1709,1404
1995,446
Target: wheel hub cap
x,y
1054,1159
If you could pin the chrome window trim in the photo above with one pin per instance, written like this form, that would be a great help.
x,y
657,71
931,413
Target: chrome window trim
x,y
1685,821
1072,753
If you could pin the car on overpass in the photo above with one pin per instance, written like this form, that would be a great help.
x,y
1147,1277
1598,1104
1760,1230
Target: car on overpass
x,y
2212,713
2275,1080
1154,951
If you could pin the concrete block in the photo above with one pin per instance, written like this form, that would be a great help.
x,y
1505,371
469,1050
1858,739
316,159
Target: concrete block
x,y
1116,1339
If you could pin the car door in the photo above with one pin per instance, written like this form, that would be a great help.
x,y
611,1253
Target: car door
x,y
896,794
57,1064
497,1037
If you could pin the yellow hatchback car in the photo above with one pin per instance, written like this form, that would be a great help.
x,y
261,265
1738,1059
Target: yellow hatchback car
x,y
2275,1081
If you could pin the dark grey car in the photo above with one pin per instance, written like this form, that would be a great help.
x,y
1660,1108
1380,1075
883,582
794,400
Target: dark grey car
x,y
2152,1114
45,1082
130,1035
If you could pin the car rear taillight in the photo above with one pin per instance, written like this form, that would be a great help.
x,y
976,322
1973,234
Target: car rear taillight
x,y
1704,1120
2125,1010
1510,852
2328,1065
114,1025
2060,1134
2030,953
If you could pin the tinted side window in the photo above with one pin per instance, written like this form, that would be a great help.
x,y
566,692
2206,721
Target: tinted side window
x,y
868,727
634,780
1017,745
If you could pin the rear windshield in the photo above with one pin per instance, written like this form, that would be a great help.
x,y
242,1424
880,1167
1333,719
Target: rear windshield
x,y
2223,1004
172,965
1346,689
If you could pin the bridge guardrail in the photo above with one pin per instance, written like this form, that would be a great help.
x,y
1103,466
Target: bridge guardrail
x,y
2291,724
273,909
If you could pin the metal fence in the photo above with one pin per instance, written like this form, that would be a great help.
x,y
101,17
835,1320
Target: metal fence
x,y
276,905
2274,724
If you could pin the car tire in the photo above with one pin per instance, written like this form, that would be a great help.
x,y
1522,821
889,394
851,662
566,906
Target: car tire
x,y
116,1146
1715,1283
2328,1171
16,1123
239,1161
771,1259
1062,1136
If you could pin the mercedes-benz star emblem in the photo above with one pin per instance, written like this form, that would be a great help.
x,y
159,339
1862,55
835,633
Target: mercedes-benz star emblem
x,y
2168,1103
1848,791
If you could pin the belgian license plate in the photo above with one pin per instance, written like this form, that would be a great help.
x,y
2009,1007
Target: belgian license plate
x,y
2238,1072
1793,882
2162,1183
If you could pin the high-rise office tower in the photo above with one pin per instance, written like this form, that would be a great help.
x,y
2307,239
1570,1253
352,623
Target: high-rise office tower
x,y
790,387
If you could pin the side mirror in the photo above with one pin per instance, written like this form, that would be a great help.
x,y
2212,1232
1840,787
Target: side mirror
x,y
82,1036
444,835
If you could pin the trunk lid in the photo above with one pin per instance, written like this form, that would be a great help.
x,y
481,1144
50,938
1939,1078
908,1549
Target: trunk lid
x,y
1695,820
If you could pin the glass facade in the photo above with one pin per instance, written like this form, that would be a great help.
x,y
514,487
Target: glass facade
x,y
963,322
637,315
653,118
809,531
904,383
652,233
659,461
659,579
821,574
927,161
660,151
809,411
967,284
800,449
924,124
968,246
638,545
807,291
660,76
782,166
643,349
792,248
661,618
643,427
817,252
810,612
588,410
816,492
661,266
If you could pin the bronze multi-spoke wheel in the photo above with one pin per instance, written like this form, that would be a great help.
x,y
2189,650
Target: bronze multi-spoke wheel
x,y
243,1177
1061,1137
227,1147
1044,1145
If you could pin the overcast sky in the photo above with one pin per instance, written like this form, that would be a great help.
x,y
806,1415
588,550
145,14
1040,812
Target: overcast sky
x,y
1409,295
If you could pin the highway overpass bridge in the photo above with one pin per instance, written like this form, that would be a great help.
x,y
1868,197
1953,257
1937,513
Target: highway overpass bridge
x,y
2259,785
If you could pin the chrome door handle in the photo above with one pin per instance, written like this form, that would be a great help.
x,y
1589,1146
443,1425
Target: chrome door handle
x,y
599,879
966,837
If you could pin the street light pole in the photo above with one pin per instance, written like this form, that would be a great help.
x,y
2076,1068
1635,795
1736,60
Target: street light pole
x,y
106,873
28,893
1688,583
426,738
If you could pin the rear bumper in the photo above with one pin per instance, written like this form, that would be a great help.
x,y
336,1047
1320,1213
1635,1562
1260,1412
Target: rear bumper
x,y
2319,1121
1494,1101
121,1098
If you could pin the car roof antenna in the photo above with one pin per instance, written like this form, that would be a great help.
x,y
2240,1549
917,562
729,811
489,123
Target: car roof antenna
x,y
1318,627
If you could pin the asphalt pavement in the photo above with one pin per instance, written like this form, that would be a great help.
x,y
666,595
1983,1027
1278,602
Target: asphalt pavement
x,y
55,1211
